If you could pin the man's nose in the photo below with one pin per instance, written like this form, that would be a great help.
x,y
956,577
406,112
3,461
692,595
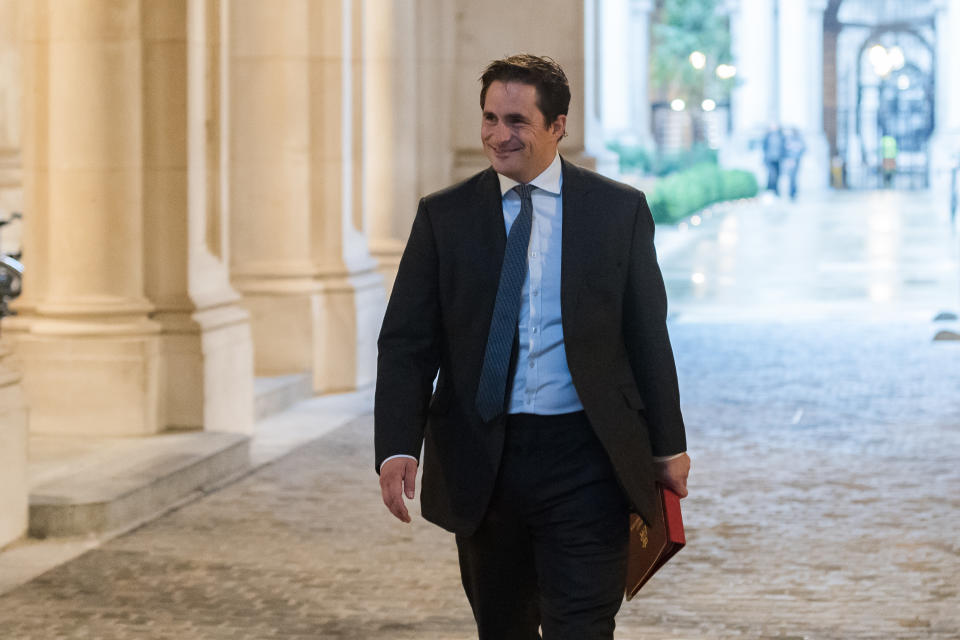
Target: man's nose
x,y
498,133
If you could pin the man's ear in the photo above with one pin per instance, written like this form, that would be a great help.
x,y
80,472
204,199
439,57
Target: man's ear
x,y
559,126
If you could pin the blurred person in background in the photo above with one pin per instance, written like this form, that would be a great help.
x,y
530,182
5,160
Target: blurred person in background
x,y
773,153
888,152
794,146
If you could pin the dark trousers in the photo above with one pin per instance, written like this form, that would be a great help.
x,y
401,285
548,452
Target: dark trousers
x,y
773,176
552,548
793,169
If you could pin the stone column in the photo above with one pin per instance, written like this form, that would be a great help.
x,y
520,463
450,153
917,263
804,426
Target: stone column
x,y
389,141
616,68
800,85
593,77
753,99
11,173
482,35
616,39
639,71
91,356
620,31
299,249
13,453
945,142
435,23
33,101
207,378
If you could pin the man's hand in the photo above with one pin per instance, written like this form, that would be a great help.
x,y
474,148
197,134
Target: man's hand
x,y
397,477
673,474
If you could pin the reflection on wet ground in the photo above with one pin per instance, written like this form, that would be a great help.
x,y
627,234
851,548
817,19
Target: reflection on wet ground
x,y
852,254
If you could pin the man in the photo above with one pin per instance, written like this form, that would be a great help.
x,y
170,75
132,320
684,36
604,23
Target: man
x,y
773,151
533,289
888,165
794,147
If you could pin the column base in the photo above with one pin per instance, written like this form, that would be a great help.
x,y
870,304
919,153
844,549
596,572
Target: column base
x,y
944,156
326,325
743,150
387,253
603,161
596,157
13,455
208,370
814,165
92,378
351,312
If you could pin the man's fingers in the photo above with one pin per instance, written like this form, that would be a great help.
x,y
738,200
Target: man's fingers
x,y
410,479
390,489
673,473
680,488
676,484
398,477
399,509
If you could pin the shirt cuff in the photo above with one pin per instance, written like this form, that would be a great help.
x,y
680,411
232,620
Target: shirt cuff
x,y
399,455
665,458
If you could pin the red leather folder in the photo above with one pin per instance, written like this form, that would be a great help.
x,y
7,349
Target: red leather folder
x,y
652,544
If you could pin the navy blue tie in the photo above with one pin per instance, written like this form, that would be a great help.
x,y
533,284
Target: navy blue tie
x,y
506,312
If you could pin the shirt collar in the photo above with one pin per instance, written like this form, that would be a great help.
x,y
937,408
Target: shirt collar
x,y
550,180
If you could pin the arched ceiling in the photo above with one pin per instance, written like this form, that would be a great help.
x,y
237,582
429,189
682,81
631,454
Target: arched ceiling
x,y
877,12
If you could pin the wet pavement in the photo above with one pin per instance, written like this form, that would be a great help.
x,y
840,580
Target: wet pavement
x,y
824,426
855,255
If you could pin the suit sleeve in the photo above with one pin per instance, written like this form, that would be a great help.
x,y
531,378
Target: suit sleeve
x,y
409,347
647,341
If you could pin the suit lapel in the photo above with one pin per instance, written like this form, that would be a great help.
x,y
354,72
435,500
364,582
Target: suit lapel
x,y
575,241
489,237
491,213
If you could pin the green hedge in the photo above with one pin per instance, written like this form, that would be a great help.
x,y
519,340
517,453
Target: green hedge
x,y
634,159
680,194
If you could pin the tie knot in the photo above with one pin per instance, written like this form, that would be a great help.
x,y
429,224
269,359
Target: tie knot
x,y
524,190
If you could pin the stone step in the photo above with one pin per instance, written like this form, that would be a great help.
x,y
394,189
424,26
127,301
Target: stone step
x,y
275,394
86,485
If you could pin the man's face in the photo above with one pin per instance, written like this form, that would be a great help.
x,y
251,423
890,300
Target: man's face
x,y
516,138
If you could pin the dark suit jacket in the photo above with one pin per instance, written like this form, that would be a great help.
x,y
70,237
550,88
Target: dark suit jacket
x,y
614,326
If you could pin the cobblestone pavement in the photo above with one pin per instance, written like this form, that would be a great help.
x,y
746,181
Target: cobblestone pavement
x,y
825,504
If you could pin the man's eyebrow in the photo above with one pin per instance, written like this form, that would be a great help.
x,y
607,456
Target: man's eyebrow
x,y
517,117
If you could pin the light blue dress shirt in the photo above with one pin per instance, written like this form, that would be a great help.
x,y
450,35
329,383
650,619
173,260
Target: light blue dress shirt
x,y
541,381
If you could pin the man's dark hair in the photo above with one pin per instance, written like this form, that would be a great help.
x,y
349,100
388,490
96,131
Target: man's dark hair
x,y
543,73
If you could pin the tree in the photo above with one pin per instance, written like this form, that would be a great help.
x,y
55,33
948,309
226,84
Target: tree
x,y
682,27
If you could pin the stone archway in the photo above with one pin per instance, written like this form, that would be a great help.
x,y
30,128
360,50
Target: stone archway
x,y
912,99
